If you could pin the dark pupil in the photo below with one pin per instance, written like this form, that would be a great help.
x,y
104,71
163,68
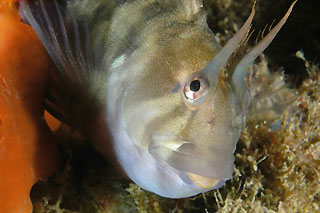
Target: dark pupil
x,y
195,86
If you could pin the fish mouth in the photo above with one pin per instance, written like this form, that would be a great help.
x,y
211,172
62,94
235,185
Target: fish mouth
x,y
204,166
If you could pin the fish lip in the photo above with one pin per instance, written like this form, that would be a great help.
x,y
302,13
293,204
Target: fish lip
x,y
203,182
187,157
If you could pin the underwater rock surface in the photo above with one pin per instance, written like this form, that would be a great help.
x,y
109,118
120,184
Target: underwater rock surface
x,y
277,157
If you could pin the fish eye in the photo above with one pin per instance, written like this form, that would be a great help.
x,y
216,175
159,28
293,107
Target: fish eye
x,y
195,87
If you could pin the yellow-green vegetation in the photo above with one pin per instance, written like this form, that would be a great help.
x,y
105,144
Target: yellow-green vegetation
x,y
277,157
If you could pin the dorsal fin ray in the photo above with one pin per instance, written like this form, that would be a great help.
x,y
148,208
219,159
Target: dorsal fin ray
x,y
77,57
66,39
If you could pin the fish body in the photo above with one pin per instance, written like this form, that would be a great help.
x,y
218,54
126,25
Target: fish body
x,y
149,75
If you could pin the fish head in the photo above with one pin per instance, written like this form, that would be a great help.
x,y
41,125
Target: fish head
x,y
180,116
183,117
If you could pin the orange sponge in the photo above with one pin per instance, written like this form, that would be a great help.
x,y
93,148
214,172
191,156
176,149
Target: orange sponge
x,y
27,150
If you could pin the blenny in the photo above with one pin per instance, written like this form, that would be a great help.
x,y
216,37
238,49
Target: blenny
x,y
147,83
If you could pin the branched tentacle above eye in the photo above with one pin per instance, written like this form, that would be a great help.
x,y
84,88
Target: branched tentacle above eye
x,y
241,70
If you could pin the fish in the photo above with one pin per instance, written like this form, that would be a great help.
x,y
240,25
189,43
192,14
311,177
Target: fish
x,y
148,84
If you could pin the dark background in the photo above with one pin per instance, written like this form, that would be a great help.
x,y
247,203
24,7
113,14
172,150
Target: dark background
x,y
301,32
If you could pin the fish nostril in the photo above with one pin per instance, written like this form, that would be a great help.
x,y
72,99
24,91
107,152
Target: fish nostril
x,y
210,122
